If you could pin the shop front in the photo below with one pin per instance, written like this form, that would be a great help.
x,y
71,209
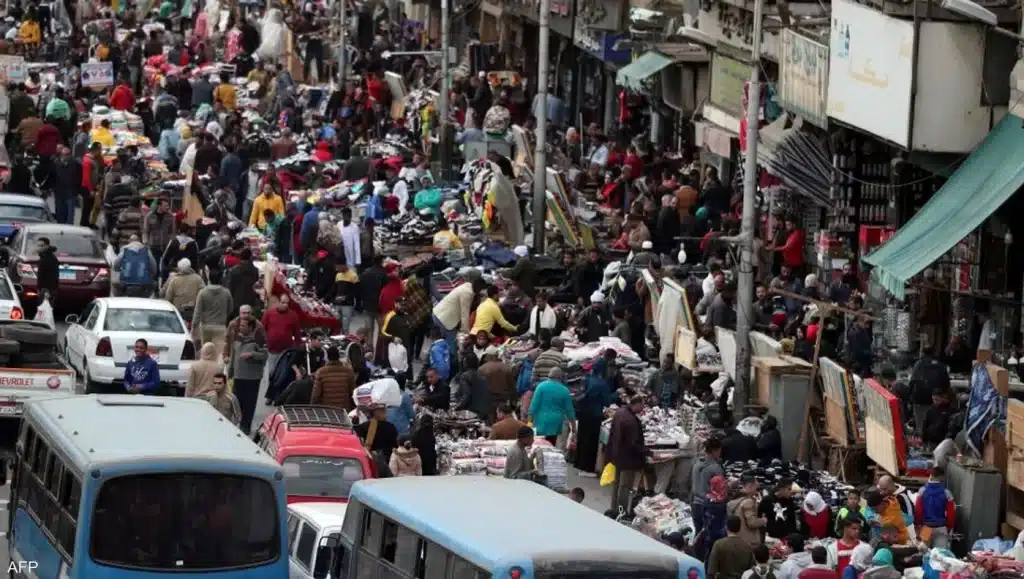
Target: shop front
x,y
596,98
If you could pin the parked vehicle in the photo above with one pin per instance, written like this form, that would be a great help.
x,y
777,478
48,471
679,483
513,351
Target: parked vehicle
x,y
314,532
194,495
100,342
84,272
321,455
17,210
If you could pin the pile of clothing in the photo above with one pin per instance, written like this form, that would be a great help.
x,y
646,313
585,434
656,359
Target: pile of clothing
x,y
659,516
768,475
662,428
551,462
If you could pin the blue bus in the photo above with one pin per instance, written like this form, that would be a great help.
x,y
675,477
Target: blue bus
x,y
121,486
467,527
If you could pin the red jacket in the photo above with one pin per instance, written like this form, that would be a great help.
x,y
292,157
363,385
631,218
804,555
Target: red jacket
x,y
389,294
817,525
817,572
793,250
47,140
283,329
122,98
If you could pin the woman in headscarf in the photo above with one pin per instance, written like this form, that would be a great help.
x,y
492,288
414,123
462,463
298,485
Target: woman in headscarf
x,y
882,567
272,36
202,371
714,514
860,561
815,517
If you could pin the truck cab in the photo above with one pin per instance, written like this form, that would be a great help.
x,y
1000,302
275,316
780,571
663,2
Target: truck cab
x,y
320,453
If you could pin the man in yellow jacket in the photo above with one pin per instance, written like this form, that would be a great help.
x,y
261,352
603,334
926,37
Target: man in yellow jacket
x,y
489,313
268,200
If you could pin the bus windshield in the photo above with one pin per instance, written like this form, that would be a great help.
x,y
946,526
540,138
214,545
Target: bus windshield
x,y
321,476
185,522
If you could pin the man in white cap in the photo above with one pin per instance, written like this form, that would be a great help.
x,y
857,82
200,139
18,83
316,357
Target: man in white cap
x,y
183,287
645,256
594,321
524,272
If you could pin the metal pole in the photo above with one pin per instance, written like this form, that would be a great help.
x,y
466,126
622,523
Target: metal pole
x,y
745,287
343,57
442,102
540,162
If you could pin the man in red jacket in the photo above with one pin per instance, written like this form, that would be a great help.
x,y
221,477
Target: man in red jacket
x,y
122,97
284,329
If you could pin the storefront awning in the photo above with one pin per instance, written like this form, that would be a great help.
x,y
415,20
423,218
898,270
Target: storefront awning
x,y
635,73
993,172
799,159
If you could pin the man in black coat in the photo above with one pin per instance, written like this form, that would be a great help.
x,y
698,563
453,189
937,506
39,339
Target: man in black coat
x,y
48,270
626,450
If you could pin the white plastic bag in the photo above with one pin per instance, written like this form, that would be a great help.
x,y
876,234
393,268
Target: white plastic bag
x,y
109,254
45,313
384,391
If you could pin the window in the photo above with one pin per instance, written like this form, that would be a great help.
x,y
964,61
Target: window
x,y
87,313
407,557
185,522
463,569
437,561
39,454
324,552
150,321
307,541
350,526
321,476
90,322
71,493
48,472
390,544
54,475
372,530
25,213
68,245
28,443
293,531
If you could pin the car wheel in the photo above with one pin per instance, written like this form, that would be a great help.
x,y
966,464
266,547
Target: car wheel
x,y
9,347
27,334
90,388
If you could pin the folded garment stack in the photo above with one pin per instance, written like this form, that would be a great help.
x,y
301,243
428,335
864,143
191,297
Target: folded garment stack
x,y
768,474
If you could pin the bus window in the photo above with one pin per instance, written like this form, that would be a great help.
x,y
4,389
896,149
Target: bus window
x,y
185,522
463,569
437,561
372,530
307,541
407,557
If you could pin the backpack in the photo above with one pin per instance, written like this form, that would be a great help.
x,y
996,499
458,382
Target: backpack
x,y
525,378
135,267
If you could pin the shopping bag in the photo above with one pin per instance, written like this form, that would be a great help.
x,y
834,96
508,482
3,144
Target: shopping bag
x,y
608,475
44,313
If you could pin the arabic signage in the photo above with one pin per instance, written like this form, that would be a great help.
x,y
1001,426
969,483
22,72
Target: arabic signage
x,y
601,14
97,74
870,71
728,79
559,19
601,45
803,77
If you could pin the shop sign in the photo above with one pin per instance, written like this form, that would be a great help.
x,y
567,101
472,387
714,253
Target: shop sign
x,y
870,71
561,7
601,45
600,14
728,79
12,68
97,74
803,77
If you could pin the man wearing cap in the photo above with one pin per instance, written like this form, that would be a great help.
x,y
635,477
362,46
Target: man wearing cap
x,y
594,321
452,313
645,256
183,287
524,272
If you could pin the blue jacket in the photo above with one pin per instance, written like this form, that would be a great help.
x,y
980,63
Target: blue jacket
x,y
231,171
933,505
310,228
143,372
441,359
374,209
598,392
550,407
168,144
402,415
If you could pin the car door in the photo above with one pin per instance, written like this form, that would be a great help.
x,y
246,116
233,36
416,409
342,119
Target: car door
x,y
300,565
74,337
87,338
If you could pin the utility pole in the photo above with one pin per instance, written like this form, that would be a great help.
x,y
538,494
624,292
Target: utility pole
x,y
442,102
343,57
540,162
745,287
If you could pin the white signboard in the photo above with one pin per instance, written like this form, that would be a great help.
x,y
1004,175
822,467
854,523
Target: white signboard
x,y
12,68
803,77
97,74
870,69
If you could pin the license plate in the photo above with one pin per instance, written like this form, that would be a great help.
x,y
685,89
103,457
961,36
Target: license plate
x,y
10,409
68,275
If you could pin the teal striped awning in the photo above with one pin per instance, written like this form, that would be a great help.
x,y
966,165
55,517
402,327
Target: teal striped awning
x,y
635,73
993,173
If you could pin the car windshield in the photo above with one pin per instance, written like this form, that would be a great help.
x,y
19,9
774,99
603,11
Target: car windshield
x,y
68,245
29,213
153,321
185,522
321,476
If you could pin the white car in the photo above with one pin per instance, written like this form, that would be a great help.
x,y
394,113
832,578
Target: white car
x,y
314,532
100,342
10,303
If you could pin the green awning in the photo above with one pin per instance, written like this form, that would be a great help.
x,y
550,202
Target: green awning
x,y
993,172
635,73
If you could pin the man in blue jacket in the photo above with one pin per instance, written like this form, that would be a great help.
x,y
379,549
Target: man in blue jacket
x,y
142,375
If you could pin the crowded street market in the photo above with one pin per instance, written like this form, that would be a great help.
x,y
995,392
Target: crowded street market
x,y
391,240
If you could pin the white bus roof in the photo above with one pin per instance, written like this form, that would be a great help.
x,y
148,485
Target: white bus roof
x,y
102,430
